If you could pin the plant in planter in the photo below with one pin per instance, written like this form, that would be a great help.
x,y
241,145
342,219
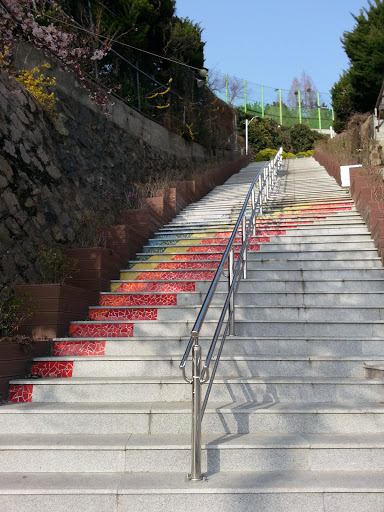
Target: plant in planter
x,y
57,302
14,312
16,349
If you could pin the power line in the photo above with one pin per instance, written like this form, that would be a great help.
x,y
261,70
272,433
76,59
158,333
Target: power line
x,y
115,41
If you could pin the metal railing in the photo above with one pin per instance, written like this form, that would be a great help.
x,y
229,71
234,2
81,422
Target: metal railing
x,y
265,180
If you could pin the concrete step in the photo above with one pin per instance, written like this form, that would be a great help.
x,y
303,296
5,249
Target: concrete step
x,y
269,491
239,366
371,299
268,247
138,453
288,230
320,218
201,251
250,312
235,345
262,274
250,327
287,238
351,222
266,264
174,389
277,286
175,418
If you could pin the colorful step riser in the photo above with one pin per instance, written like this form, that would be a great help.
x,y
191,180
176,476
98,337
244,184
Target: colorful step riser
x,y
199,249
218,239
139,300
55,369
139,314
101,330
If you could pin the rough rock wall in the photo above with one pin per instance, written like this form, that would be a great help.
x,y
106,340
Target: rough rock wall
x,y
51,175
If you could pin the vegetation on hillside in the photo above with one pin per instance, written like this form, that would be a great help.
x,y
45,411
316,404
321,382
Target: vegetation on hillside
x,y
353,145
267,133
138,50
358,87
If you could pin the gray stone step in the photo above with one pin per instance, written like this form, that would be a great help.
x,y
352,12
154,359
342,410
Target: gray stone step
x,y
319,219
277,247
242,366
288,255
280,491
288,238
236,345
275,264
137,453
290,228
277,286
174,418
331,223
249,327
268,275
355,313
173,389
371,299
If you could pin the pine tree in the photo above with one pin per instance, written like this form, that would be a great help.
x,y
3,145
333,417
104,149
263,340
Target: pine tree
x,y
359,86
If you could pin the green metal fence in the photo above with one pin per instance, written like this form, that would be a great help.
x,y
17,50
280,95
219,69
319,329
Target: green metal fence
x,y
286,107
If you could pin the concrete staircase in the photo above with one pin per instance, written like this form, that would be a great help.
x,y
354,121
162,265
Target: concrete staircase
x,y
293,423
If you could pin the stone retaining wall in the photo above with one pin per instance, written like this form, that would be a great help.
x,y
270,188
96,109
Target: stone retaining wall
x,y
52,174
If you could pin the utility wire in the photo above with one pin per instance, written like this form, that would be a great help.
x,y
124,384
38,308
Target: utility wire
x,y
115,41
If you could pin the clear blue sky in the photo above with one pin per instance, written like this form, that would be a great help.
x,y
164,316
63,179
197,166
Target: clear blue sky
x,y
269,42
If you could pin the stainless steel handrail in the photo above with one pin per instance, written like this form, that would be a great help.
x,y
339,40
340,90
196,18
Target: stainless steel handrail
x,y
265,179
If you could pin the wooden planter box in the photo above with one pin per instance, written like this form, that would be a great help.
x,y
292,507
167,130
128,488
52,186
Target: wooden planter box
x,y
15,361
191,191
169,204
357,183
95,268
128,239
181,195
57,306
155,207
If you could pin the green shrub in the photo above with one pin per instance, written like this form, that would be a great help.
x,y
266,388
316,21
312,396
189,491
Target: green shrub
x,y
14,311
54,266
265,155
288,155
309,152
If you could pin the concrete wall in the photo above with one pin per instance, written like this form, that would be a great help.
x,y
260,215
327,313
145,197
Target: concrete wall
x,y
121,114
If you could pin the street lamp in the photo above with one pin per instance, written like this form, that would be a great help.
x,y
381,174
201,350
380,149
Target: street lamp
x,y
247,122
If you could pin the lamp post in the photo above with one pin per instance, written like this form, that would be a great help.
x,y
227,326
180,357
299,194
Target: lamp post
x,y
246,132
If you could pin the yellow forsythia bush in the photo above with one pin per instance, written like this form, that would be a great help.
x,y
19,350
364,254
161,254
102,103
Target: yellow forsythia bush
x,y
36,83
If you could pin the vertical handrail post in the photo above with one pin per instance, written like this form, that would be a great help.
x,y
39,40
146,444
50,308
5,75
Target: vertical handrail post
x,y
244,237
196,473
261,197
231,307
254,216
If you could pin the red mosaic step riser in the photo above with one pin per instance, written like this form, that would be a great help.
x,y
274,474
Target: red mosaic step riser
x,y
218,249
197,257
209,241
186,266
50,369
179,276
106,330
138,300
78,348
156,287
123,314
20,393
